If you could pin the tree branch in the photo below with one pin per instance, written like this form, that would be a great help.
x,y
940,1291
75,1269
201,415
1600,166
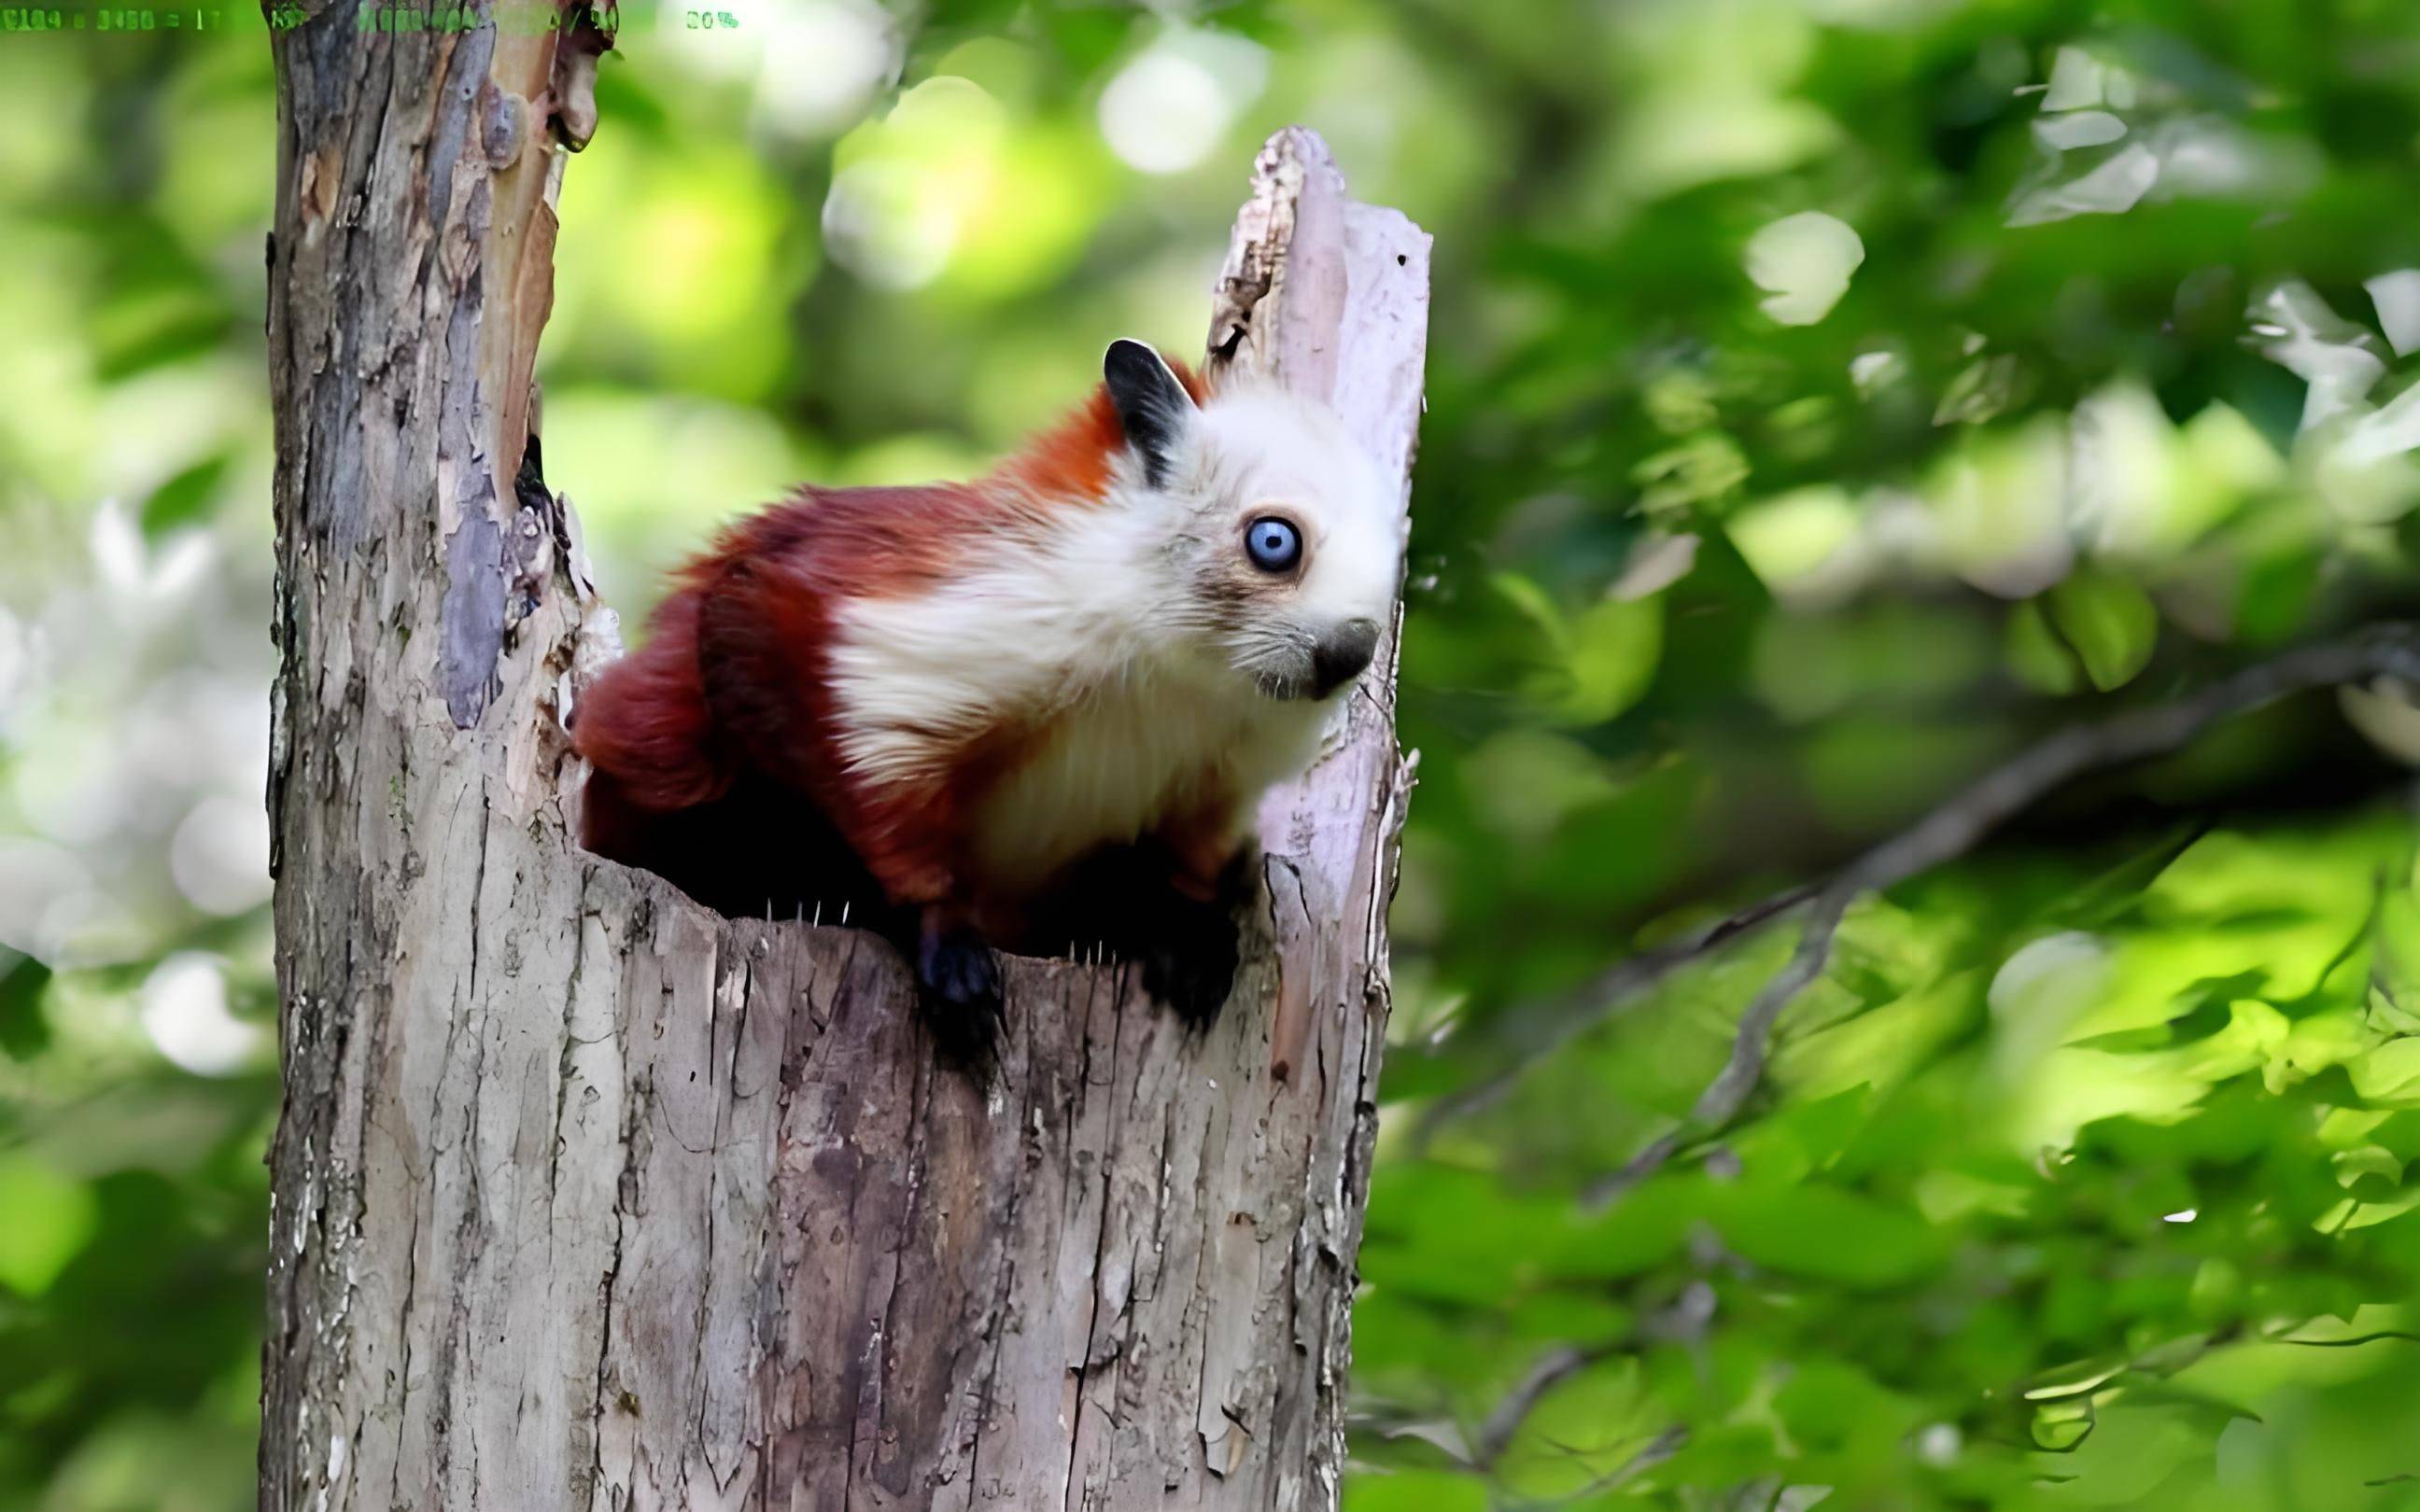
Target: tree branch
x,y
1942,835
1956,826
1552,1370
1537,1030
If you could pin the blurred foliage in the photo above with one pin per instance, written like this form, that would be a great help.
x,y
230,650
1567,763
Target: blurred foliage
x,y
1826,398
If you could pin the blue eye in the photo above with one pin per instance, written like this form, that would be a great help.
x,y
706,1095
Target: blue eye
x,y
1273,545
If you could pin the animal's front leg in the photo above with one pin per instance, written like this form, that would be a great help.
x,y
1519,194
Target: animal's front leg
x,y
1191,963
958,984
1190,947
1143,904
905,838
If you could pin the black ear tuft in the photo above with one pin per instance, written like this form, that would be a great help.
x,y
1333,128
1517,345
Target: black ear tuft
x,y
1152,403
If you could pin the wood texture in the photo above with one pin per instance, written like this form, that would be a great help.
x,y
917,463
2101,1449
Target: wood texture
x,y
586,1197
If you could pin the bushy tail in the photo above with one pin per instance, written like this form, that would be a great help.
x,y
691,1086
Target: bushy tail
x,y
677,784
643,725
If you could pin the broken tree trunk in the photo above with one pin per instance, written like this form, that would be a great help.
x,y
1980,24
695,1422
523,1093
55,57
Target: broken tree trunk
x,y
587,1197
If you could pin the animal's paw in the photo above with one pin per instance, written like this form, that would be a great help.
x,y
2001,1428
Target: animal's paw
x,y
1191,966
959,991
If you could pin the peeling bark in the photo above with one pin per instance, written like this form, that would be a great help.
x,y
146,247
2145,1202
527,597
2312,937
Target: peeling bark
x,y
586,1197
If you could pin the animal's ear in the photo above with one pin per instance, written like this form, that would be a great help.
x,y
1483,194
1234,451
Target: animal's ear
x,y
1152,403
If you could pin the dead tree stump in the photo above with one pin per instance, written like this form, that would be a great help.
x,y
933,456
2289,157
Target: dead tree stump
x,y
588,1197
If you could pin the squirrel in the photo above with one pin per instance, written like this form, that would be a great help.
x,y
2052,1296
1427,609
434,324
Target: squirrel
x,y
1043,705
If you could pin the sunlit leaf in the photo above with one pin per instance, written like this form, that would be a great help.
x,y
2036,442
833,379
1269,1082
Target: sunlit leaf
x,y
1813,1230
184,498
2037,656
1804,263
2111,623
49,1217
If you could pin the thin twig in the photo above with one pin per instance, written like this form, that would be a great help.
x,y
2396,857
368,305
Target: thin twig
x,y
1540,1029
1956,826
1664,1446
1658,1449
1552,1370
2404,1335
1945,833
1685,1321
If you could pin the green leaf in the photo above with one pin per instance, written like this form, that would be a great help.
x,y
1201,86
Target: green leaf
x,y
1594,665
185,498
2371,1173
2036,656
1416,1491
1534,606
47,1218
1616,647
1826,1233
25,1033
1829,1402
2110,622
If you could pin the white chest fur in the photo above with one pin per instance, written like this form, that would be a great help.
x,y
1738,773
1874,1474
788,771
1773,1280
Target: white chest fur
x,y
1121,763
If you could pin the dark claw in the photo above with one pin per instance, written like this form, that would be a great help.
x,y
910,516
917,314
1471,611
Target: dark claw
x,y
959,991
1192,967
1121,898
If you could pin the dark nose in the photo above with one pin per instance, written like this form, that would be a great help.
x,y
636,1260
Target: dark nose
x,y
1342,654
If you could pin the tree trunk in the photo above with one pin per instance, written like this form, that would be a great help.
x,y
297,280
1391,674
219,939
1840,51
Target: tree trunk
x,y
587,1197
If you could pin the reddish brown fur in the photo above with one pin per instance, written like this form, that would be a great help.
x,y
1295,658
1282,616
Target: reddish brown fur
x,y
734,681
735,677
1202,843
1072,459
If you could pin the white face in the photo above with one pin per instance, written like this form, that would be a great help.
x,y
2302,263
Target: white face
x,y
1289,541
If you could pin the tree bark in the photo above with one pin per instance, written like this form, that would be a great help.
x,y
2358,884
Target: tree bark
x,y
587,1197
